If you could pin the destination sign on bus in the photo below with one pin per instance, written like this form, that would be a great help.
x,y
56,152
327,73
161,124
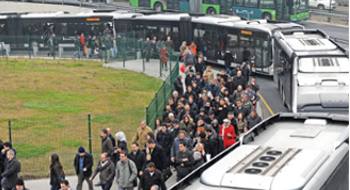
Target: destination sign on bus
x,y
246,32
93,19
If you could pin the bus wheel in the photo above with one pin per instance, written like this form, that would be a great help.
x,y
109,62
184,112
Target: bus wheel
x,y
266,16
211,11
321,7
158,7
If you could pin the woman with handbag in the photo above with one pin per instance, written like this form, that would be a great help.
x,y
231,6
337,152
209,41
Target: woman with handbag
x,y
56,172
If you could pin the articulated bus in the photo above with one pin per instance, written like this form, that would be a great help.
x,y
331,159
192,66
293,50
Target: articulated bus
x,y
311,72
287,10
287,151
215,35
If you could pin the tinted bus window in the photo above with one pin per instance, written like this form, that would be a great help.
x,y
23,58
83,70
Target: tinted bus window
x,y
267,4
251,3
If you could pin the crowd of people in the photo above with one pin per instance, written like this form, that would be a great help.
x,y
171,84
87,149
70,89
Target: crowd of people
x,y
206,113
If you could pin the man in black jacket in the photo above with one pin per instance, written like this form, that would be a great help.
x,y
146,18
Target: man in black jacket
x,y
12,168
151,177
83,162
155,153
138,157
183,161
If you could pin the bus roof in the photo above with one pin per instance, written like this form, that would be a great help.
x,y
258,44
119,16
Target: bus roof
x,y
215,19
286,154
163,16
307,42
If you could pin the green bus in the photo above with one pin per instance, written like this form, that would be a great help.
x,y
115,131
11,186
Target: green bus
x,y
286,10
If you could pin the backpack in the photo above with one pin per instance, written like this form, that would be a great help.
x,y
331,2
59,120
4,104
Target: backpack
x,y
134,183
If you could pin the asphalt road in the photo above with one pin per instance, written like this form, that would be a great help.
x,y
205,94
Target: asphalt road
x,y
269,92
341,33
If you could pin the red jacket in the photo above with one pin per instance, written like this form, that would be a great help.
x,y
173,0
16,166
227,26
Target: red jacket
x,y
228,135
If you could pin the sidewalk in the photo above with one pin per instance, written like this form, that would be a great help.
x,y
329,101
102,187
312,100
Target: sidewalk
x,y
43,184
151,68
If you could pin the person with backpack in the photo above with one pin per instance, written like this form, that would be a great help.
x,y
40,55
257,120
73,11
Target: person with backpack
x,y
126,173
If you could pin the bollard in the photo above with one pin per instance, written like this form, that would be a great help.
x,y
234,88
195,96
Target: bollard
x,y
89,135
10,131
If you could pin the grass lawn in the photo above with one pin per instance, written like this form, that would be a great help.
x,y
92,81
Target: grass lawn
x,y
48,102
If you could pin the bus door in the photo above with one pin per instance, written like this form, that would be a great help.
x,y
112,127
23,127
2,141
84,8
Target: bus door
x,y
247,9
185,28
184,5
14,29
195,6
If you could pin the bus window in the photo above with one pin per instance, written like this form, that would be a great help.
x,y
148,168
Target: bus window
x,y
267,4
251,3
238,3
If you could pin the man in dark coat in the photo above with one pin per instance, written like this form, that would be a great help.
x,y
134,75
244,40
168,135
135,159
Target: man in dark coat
x,y
138,157
151,176
10,174
106,143
83,162
183,161
155,153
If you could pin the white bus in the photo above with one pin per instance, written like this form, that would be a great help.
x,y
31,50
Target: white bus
x,y
284,152
311,72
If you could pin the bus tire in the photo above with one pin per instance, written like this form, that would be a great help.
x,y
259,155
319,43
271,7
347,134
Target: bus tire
x,y
158,7
211,11
266,16
320,6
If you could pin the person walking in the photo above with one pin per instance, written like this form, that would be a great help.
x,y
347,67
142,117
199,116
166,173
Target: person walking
x,y
106,143
155,153
106,170
56,172
164,56
121,146
151,177
227,133
10,174
52,45
83,162
141,135
138,157
126,173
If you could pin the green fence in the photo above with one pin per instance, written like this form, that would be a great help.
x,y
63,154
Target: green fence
x,y
156,108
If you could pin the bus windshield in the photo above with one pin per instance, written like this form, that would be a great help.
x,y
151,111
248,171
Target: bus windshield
x,y
324,65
